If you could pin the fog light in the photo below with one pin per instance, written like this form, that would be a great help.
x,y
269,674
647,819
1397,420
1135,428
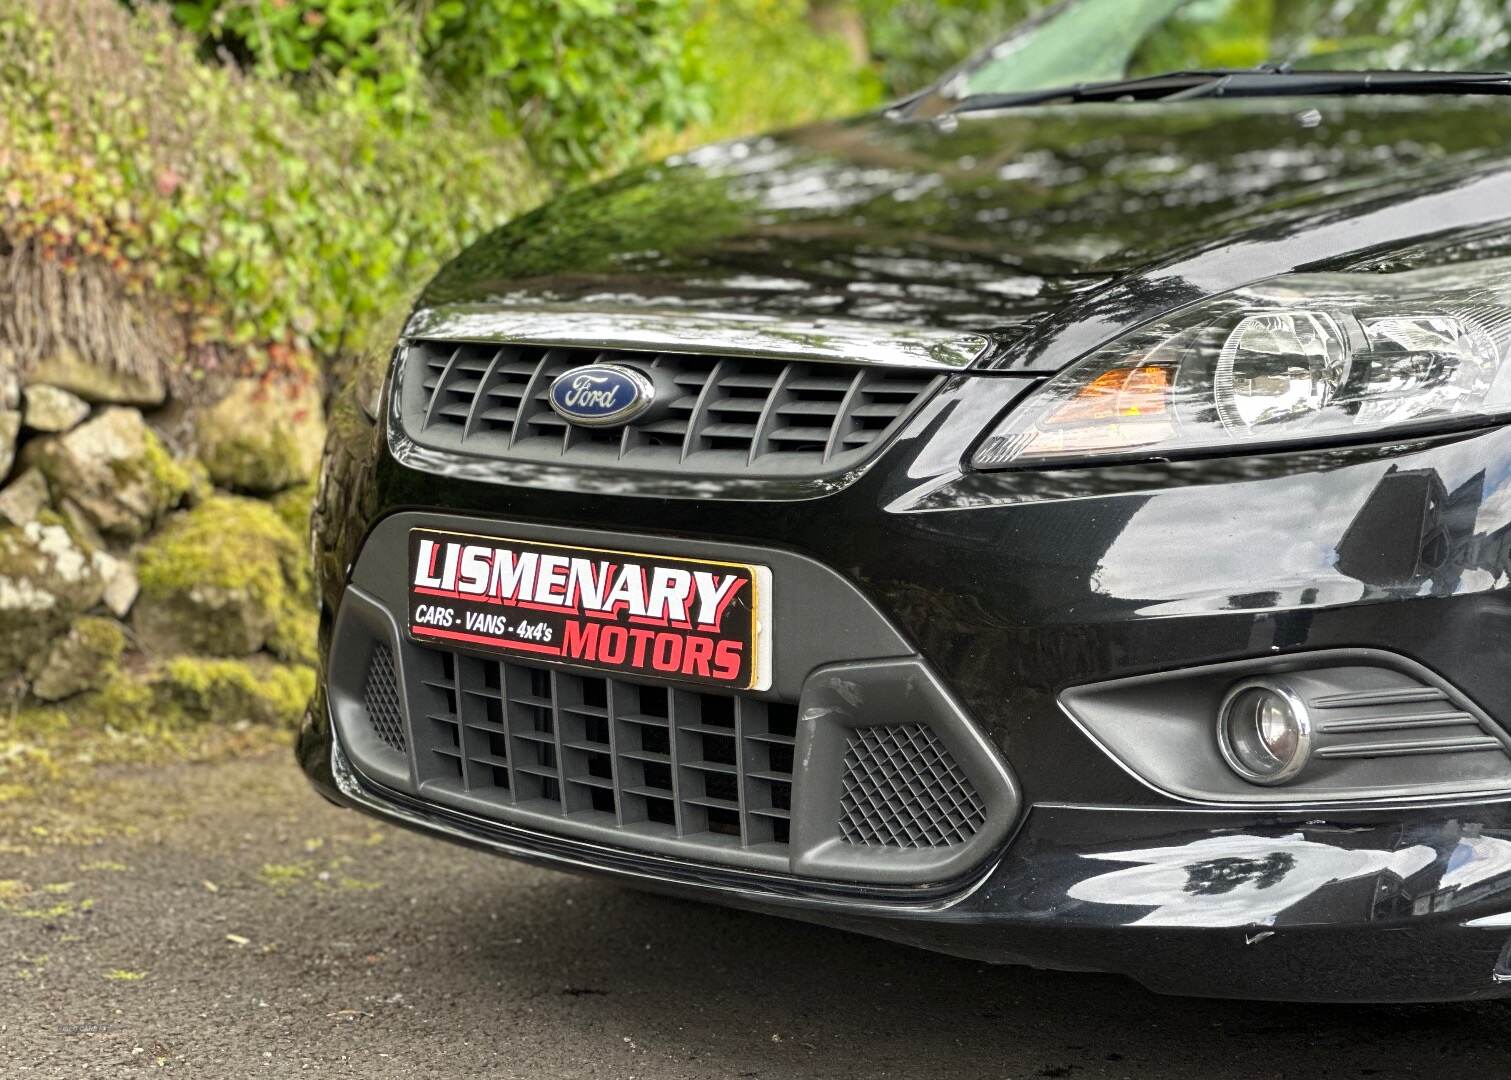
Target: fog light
x,y
1264,732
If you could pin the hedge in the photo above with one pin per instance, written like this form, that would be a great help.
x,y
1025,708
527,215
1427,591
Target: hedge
x,y
279,223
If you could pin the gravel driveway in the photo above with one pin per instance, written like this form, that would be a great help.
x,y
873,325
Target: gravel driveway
x,y
222,921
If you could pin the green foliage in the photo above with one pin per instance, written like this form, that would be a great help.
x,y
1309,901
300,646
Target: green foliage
x,y
278,223
580,80
1447,34
1106,39
764,67
916,41
349,35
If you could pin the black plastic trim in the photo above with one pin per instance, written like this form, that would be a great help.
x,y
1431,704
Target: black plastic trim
x,y
1159,728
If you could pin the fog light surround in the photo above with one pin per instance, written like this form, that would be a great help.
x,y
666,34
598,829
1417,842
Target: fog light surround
x,y
1264,732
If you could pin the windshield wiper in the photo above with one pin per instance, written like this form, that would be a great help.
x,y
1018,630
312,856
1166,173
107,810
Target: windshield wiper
x,y
1286,83
1269,81
1148,86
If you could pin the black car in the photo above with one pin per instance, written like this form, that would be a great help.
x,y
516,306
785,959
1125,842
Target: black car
x,y
1063,520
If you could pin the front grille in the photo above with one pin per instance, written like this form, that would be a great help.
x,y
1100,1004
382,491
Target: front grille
x,y
628,755
743,415
380,699
902,788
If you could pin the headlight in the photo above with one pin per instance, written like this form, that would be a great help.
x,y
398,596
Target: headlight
x,y
1305,358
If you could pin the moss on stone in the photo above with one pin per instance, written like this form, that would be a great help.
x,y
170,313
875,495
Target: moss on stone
x,y
115,469
235,691
180,693
294,507
293,635
260,462
46,578
201,487
167,478
98,382
263,437
226,578
103,637
84,659
126,703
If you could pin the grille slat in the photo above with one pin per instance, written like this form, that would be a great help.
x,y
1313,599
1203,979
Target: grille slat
x,y
644,756
747,415
738,405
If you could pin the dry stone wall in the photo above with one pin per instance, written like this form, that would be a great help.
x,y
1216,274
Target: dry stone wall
x,y
153,558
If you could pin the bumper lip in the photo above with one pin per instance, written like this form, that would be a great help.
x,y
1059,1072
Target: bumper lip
x,y
579,856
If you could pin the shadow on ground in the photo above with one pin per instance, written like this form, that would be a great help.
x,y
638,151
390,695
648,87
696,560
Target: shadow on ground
x,y
225,920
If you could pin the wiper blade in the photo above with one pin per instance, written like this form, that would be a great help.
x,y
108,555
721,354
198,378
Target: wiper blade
x,y
1148,86
1268,81
1286,83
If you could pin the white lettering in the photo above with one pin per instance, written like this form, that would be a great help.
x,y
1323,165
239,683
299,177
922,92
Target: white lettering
x,y
585,393
513,575
423,566
670,590
475,567
712,592
433,615
486,623
550,578
669,593
584,586
628,589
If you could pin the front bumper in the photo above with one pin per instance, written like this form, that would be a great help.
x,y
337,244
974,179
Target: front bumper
x,y
1328,937
1014,587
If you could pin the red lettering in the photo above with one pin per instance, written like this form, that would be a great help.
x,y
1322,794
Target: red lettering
x,y
642,638
667,655
692,654
579,641
695,659
727,659
612,645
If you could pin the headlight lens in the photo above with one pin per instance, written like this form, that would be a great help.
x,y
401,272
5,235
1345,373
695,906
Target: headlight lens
x,y
1302,358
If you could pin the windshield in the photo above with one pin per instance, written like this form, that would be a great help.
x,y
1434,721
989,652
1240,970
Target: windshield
x,y
1082,41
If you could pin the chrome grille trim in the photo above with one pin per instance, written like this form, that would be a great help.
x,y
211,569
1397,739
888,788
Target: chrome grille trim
x,y
845,341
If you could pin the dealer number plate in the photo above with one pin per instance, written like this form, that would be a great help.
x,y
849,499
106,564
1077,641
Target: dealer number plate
x,y
692,620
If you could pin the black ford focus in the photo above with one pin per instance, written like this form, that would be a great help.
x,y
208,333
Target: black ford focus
x,y
1063,520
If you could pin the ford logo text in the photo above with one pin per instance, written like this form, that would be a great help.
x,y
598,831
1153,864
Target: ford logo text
x,y
601,395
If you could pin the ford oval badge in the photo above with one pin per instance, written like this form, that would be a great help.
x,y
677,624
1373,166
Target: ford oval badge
x,y
601,395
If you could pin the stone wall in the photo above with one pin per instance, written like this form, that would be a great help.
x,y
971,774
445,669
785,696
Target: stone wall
x,y
153,556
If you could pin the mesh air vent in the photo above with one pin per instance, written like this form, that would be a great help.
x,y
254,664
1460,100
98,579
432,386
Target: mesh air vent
x,y
380,697
902,788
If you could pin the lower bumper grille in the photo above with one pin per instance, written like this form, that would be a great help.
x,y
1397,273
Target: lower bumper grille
x,y
903,788
380,697
601,750
884,781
